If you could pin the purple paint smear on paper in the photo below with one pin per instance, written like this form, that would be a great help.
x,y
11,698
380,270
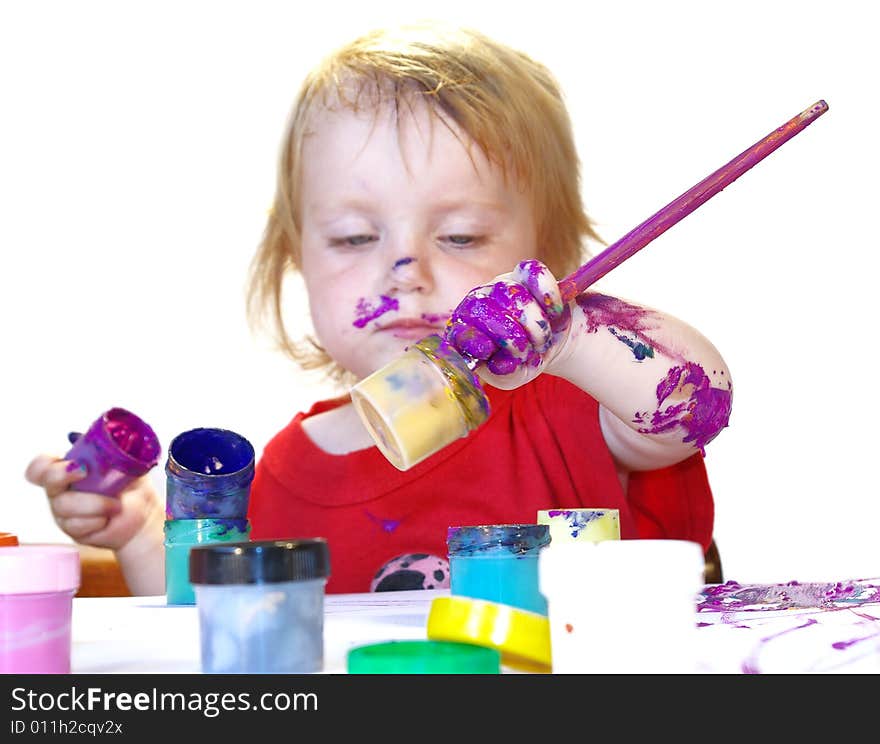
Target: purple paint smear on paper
x,y
701,410
366,311
812,601
735,597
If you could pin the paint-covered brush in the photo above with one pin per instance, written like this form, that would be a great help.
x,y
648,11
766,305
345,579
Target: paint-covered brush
x,y
429,396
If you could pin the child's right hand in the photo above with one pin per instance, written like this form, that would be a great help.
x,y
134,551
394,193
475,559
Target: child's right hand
x,y
92,518
516,325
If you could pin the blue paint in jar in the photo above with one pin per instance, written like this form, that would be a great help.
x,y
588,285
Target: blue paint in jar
x,y
498,563
208,475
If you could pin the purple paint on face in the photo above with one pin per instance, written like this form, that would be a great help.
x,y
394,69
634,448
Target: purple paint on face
x,y
701,410
603,311
366,311
402,262
436,317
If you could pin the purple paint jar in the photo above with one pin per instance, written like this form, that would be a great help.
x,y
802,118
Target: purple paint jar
x,y
37,584
117,448
209,473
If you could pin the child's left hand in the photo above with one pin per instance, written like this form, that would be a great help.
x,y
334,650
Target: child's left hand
x,y
515,325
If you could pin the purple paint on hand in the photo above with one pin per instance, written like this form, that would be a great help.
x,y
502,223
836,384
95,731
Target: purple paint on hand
x,y
491,324
366,312
702,411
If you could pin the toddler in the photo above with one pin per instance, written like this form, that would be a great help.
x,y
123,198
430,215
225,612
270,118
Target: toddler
x,y
429,184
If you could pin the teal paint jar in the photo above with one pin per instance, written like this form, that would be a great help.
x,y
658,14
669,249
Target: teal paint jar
x,y
498,563
180,536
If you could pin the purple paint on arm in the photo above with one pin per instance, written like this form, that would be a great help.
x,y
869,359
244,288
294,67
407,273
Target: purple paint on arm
x,y
701,410
610,312
366,311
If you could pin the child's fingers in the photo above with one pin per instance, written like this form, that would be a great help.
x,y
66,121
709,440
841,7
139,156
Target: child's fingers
x,y
541,283
79,528
489,311
76,504
53,474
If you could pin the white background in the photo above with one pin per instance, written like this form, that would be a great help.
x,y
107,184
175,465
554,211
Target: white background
x,y
138,144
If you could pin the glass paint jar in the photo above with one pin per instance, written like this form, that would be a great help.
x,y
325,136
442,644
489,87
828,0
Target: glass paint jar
x,y
261,605
420,402
115,450
180,536
37,586
208,475
590,525
498,563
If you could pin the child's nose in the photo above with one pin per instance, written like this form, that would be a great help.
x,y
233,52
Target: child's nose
x,y
410,273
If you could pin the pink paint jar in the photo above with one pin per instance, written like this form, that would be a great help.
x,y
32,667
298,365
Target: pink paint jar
x,y
37,584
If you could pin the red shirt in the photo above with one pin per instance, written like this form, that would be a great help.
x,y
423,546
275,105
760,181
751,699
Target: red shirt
x,y
541,448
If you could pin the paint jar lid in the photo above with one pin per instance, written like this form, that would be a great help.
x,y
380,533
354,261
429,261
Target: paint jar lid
x,y
423,657
519,539
39,569
260,561
522,637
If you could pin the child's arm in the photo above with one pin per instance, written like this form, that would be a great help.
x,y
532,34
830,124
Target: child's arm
x,y
130,524
664,390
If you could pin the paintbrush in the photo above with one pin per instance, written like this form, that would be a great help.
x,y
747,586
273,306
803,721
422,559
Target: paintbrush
x,y
407,427
679,208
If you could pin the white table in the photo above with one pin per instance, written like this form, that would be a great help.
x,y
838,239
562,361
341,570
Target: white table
x,y
144,635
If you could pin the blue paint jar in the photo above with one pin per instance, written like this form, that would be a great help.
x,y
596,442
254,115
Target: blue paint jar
x,y
261,605
208,475
498,563
180,536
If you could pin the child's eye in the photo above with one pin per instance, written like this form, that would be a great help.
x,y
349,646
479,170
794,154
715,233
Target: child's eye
x,y
353,240
462,241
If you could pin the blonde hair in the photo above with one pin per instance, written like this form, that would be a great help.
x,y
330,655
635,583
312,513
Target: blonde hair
x,y
509,105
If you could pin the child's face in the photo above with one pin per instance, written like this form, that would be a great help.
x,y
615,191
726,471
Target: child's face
x,y
399,222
